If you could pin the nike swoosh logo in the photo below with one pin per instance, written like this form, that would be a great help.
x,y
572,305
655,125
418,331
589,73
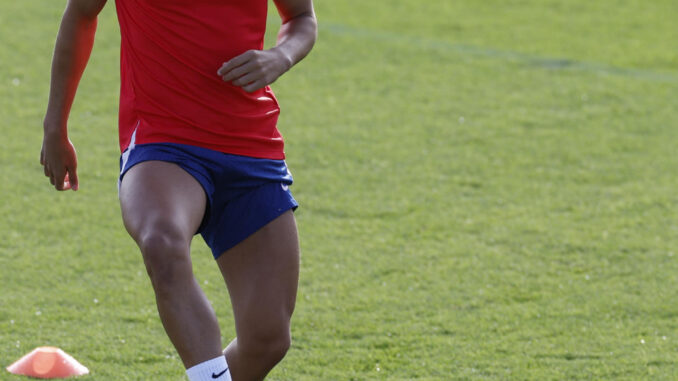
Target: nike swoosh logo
x,y
217,375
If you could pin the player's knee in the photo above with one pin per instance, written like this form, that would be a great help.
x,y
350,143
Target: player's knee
x,y
166,256
278,348
270,347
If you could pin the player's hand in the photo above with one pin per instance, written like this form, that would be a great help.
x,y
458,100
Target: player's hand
x,y
255,69
59,161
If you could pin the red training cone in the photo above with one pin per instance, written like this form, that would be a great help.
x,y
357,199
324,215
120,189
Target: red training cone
x,y
48,362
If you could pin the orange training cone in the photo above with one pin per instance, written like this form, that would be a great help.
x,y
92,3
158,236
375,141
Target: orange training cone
x,y
48,362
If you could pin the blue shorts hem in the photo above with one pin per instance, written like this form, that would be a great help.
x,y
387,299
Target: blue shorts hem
x,y
248,214
218,251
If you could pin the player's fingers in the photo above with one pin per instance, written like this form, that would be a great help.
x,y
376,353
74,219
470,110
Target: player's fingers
x,y
58,178
230,65
254,86
72,178
45,170
226,68
235,62
246,79
238,72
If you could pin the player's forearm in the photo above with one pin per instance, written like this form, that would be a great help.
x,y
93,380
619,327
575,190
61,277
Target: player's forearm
x,y
71,53
297,37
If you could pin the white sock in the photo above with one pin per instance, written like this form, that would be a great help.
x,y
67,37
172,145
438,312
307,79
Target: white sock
x,y
210,370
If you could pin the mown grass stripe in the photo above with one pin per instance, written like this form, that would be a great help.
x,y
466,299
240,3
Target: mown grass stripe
x,y
551,63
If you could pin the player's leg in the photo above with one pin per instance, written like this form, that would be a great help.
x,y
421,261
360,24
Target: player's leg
x,y
262,274
162,207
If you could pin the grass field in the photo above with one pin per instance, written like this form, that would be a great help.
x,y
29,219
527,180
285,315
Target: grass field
x,y
488,192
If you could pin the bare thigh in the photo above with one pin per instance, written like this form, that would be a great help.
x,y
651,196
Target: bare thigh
x,y
160,196
262,275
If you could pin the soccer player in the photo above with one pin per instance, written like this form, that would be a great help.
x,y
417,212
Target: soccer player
x,y
201,153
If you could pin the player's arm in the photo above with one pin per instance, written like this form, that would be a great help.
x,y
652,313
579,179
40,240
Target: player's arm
x,y
71,53
255,69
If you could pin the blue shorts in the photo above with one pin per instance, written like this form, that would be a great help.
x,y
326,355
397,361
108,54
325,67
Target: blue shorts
x,y
243,193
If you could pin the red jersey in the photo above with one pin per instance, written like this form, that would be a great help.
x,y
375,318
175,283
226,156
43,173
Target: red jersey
x,y
170,92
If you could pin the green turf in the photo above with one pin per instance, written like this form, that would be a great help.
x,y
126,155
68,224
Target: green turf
x,y
488,192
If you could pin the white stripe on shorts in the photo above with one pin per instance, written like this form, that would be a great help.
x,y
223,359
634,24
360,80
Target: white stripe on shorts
x,y
125,155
